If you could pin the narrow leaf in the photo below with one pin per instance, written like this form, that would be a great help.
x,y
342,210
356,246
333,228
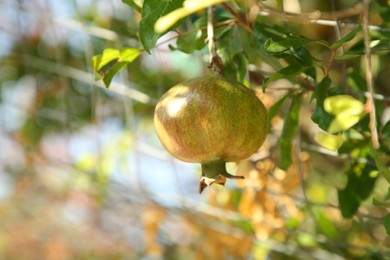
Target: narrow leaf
x,y
380,203
287,72
376,45
241,62
290,127
386,223
152,10
388,194
291,42
347,37
320,116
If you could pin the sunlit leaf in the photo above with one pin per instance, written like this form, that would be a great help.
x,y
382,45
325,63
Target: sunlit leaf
x,y
168,19
329,141
107,64
289,130
359,187
347,37
152,10
347,111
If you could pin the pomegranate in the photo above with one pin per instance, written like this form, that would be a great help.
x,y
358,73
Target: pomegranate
x,y
211,120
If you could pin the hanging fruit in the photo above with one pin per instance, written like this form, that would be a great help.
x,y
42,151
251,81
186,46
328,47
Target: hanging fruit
x,y
211,120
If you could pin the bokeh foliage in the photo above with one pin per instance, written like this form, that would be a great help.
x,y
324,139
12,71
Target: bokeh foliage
x,y
79,157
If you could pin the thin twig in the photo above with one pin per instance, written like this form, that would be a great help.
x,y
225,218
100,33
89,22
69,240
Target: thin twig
x,y
244,24
317,15
320,18
215,60
210,33
369,77
83,76
230,22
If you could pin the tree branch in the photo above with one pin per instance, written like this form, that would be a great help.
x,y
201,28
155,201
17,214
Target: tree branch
x,y
369,78
215,61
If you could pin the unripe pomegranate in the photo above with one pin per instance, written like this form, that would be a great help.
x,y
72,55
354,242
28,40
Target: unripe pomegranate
x,y
211,120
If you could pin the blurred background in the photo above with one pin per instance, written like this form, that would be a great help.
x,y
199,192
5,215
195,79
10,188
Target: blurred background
x,y
83,175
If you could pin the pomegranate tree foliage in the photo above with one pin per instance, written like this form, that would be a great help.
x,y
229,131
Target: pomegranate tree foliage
x,y
340,106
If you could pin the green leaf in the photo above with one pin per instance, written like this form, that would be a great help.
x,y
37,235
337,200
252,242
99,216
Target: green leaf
x,y
171,17
380,203
152,10
108,64
291,42
303,56
320,116
325,225
192,42
386,223
136,4
287,72
347,37
381,160
384,12
385,138
229,49
355,79
290,127
347,110
378,46
359,187
196,40
274,110
386,131
241,62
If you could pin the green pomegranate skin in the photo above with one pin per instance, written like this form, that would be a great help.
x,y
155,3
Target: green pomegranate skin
x,y
210,119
